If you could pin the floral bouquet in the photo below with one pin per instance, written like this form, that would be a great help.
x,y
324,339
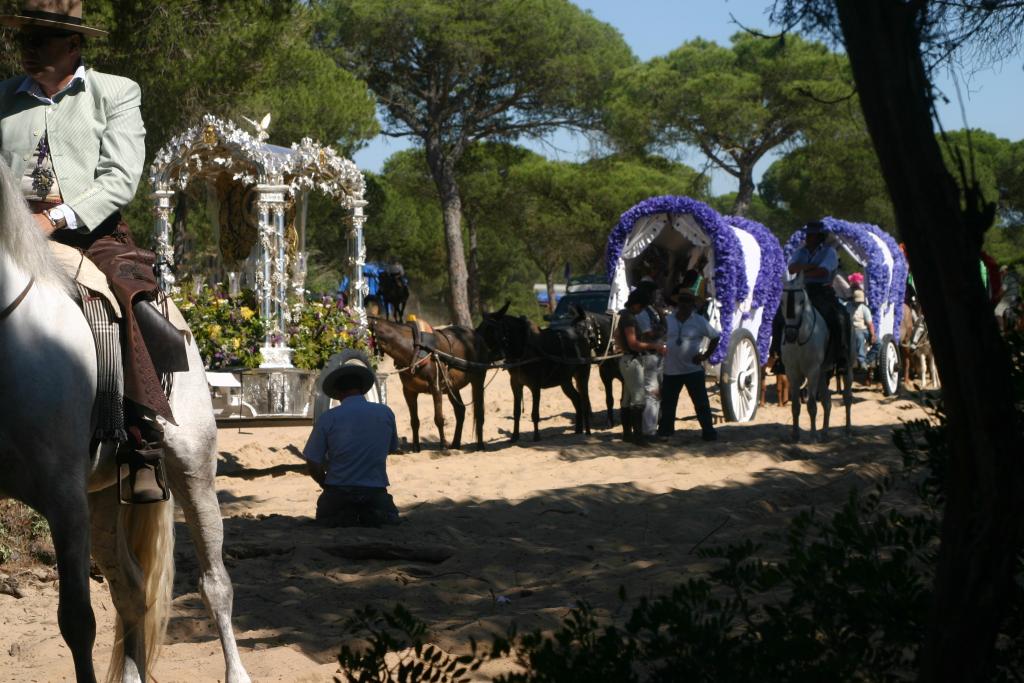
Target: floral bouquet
x,y
322,328
228,331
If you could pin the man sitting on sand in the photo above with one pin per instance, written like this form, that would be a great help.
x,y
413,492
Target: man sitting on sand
x,y
348,449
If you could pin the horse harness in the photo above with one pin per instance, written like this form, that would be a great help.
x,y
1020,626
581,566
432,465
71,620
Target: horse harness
x,y
4,314
795,329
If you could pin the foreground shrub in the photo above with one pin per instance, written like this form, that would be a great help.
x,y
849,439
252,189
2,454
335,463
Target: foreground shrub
x,y
24,536
847,600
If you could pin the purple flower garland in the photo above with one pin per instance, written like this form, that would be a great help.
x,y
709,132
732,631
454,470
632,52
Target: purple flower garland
x,y
879,279
770,275
730,278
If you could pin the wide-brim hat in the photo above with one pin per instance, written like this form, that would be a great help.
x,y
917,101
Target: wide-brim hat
x,y
683,294
356,365
61,15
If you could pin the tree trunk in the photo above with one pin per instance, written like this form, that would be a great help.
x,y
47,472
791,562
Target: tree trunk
x,y
442,169
746,191
473,280
982,525
549,280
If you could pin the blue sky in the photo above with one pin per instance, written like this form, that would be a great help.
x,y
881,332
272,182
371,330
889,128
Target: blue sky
x,y
993,98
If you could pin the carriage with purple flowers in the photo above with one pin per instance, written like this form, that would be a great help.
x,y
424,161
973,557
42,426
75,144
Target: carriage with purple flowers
x,y
741,265
885,283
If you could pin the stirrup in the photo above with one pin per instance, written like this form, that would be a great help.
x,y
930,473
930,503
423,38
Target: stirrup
x,y
141,475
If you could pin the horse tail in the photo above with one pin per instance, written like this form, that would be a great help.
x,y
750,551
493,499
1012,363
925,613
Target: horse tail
x,y
145,551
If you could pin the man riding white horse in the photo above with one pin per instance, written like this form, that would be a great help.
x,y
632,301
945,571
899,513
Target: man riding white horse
x,y
75,138
818,262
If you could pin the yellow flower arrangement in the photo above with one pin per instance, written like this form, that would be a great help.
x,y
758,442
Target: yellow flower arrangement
x,y
246,312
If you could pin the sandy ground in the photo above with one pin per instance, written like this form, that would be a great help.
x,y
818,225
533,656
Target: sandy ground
x,y
531,529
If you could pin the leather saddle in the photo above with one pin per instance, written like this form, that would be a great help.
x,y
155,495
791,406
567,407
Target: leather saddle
x,y
163,340
423,341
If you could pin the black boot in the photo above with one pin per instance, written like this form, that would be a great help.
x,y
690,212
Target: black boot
x,y
626,414
639,438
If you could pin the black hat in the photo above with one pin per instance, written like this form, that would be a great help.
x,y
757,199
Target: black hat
x,y
355,364
682,293
814,228
640,295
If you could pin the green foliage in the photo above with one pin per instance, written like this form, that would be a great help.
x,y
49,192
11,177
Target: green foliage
x,y
455,71
24,535
530,215
229,331
835,173
242,57
322,328
777,217
997,165
399,632
734,104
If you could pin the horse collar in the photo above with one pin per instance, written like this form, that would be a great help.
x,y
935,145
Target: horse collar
x,y
4,314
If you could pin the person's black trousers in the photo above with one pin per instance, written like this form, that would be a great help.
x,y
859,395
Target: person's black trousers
x,y
671,387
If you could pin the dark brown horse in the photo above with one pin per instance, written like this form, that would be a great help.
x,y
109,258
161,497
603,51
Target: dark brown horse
x,y
395,293
540,359
597,330
429,373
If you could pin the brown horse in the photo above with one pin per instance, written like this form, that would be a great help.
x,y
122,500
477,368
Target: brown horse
x,y
425,372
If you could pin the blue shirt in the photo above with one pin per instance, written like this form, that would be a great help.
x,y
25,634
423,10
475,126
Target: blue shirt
x,y
354,440
823,257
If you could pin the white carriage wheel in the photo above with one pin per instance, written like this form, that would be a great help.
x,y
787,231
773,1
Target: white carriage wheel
x,y
889,366
741,378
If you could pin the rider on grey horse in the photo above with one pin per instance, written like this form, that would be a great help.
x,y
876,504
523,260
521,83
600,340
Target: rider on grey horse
x,y
819,262
75,138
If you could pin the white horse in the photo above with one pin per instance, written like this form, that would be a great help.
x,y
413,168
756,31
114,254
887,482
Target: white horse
x,y
804,342
48,374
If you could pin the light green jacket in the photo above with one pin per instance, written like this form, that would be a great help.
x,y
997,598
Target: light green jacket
x,y
96,136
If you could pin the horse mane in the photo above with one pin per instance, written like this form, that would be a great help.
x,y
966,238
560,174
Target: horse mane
x,y
21,240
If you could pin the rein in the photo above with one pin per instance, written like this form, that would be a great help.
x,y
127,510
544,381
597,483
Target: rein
x,y
814,324
4,314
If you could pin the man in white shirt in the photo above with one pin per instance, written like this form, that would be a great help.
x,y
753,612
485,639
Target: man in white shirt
x,y
684,364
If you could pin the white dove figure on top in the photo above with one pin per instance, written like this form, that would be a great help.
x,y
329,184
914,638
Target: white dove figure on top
x,y
260,128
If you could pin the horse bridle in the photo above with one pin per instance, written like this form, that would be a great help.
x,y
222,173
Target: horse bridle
x,y
503,339
4,314
814,322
